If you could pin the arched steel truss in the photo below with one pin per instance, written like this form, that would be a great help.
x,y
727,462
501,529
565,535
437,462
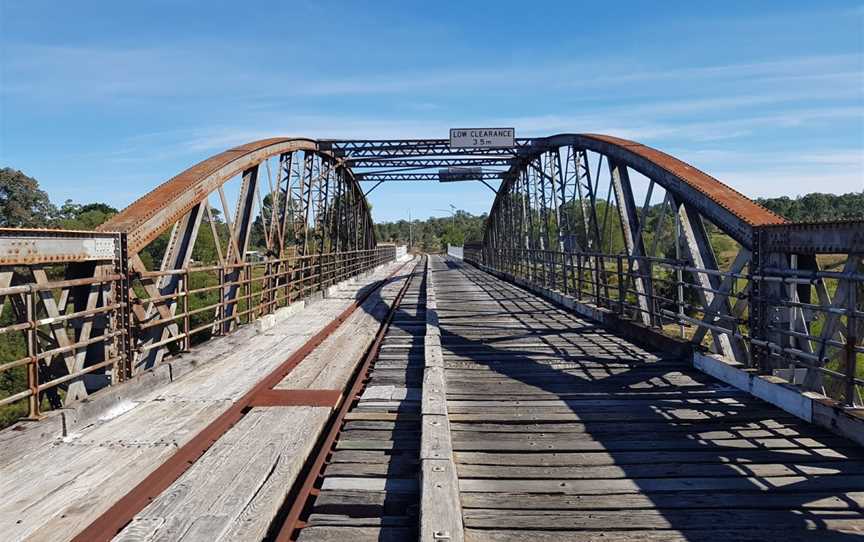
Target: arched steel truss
x,y
305,203
602,219
131,293
631,229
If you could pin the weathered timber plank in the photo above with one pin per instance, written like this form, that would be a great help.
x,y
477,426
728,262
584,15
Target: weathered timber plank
x,y
741,501
565,444
356,534
394,485
660,471
574,459
845,482
440,509
680,520
718,534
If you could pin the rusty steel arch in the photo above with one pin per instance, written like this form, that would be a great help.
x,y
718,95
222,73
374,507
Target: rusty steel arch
x,y
733,212
551,199
161,208
316,208
123,304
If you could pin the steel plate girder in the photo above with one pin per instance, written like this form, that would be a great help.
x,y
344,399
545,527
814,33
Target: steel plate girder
x,y
39,246
838,237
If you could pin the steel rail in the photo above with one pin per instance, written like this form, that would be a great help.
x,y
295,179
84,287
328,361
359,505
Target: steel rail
x,y
113,520
301,499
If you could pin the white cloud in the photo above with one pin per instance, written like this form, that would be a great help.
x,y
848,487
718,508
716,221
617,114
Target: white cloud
x,y
207,70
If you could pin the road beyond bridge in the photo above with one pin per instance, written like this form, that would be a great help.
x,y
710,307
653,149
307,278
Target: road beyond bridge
x,y
634,352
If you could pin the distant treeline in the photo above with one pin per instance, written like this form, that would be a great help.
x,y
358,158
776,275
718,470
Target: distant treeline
x,y
817,207
23,203
433,234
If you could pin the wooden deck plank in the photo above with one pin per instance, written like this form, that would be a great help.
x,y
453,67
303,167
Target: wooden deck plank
x,y
79,477
563,431
368,493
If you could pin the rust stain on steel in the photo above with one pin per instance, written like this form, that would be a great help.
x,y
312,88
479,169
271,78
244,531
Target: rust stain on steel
x,y
727,197
29,246
113,520
315,398
55,232
132,219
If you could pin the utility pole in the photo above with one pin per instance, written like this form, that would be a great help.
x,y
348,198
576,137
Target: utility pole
x,y
410,231
452,211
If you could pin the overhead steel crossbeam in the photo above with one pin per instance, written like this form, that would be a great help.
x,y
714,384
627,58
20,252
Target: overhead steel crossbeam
x,y
383,148
485,175
359,163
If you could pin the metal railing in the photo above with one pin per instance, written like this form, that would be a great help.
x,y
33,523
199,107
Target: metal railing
x,y
70,333
130,317
822,339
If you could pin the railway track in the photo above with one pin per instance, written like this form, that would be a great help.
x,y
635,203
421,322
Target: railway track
x,y
274,424
481,412
364,477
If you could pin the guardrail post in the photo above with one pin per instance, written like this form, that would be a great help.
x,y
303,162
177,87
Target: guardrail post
x,y
649,283
758,316
679,280
564,286
598,278
220,309
124,312
579,284
187,342
622,291
851,341
32,352
250,312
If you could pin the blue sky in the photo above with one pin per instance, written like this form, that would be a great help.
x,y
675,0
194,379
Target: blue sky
x,y
101,101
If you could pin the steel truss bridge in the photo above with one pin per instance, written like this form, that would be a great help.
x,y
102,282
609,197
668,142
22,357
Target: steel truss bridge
x,y
235,356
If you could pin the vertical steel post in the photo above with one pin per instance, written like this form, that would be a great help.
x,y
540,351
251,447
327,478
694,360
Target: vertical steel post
x,y
792,292
652,305
187,340
622,291
851,340
32,352
124,311
679,274
631,228
597,279
579,284
220,309
758,304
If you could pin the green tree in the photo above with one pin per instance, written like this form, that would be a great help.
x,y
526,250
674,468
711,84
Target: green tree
x,y
22,202
817,207
74,216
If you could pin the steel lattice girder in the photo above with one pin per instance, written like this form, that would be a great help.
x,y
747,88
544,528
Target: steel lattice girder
x,y
369,177
539,189
426,162
383,148
161,208
730,210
